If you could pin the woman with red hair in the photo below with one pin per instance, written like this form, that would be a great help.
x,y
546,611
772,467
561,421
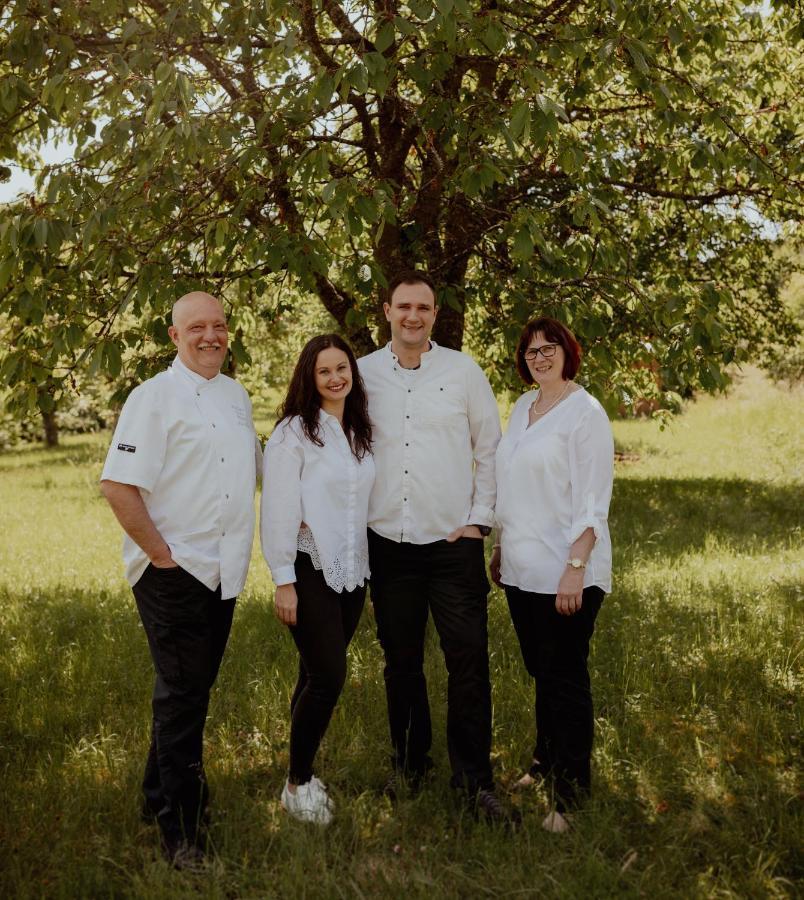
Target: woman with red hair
x,y
555,468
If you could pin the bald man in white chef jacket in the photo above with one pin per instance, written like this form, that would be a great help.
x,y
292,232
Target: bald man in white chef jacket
x,y
180,476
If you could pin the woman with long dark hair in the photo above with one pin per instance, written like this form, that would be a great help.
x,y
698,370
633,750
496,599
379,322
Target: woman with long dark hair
x,y
555,465
318,474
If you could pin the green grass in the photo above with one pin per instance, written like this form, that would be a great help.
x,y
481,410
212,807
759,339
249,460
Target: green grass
x,y
696,668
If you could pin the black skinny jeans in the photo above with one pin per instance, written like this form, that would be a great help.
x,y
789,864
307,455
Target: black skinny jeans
x,y
187,626
408,582
555,649
325,624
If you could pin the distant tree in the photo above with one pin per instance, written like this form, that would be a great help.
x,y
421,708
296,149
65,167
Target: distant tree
x,y
623,165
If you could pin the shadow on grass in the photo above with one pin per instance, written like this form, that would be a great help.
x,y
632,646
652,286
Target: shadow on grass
x,y
78,452
695,758
669,517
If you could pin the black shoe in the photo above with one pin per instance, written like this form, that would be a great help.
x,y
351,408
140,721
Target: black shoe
x,y
402,783
186,857
486,805
148,814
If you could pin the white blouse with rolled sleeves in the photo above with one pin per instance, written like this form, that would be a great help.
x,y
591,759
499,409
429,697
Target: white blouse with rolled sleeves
x,y
327,489
554,481
188,444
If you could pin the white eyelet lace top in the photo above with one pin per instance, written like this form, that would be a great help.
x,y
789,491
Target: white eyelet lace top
x,y
326,490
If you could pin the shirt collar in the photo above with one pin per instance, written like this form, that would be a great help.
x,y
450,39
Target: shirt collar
x,y
426,357
194,377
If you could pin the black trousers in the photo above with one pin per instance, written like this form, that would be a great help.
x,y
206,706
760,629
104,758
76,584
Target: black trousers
x,y
325,624
555,649
408,581
187,626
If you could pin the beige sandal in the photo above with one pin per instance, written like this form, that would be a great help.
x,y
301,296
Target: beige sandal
x,y
557,823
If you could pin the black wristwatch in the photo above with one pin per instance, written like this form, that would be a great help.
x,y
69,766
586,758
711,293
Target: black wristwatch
x,y
485,530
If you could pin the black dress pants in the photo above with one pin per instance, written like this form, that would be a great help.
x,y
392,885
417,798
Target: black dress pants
x,y
408,581
325,624
555,649
187,626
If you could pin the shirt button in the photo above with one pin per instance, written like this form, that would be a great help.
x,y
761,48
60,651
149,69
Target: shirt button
x,y
213,424
406,471
223,534
227,496
407,444
407,417
221,459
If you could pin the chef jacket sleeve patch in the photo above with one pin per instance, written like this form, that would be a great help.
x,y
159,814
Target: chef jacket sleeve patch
x,y
137,452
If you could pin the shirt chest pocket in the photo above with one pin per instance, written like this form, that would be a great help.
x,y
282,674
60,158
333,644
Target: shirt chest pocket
x,y
441,405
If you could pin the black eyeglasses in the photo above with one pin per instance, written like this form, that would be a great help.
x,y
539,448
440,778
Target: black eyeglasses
x,y
546,350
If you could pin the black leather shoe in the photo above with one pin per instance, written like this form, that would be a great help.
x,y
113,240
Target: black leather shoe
x,y
402,783
487,806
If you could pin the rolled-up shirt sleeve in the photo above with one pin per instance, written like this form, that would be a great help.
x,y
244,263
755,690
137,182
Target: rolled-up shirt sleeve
x,y
281,507
484,428
591,460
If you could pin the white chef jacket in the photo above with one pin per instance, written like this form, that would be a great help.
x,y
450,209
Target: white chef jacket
x,y
554,481
435,432
188,443
325,487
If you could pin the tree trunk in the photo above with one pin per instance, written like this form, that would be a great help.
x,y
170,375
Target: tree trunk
x,y
51,428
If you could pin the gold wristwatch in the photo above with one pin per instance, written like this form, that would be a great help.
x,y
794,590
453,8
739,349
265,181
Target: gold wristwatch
x,y
576,563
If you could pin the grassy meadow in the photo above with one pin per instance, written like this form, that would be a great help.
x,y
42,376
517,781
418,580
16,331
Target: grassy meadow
x,y
696,671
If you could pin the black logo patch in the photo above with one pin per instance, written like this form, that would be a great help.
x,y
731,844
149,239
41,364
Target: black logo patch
x,y
128,448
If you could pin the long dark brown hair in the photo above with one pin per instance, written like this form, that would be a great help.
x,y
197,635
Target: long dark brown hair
x,y
304,401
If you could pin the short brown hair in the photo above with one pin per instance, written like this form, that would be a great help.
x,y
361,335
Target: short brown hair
x,y
410,276
557,333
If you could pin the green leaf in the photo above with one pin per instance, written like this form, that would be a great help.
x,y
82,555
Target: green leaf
x,y
40,233
7,266
520,120
639,59
385,37
131,27
522,248
495,37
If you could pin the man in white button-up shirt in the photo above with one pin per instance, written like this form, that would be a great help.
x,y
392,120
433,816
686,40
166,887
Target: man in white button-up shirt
x,y
180,476
435,428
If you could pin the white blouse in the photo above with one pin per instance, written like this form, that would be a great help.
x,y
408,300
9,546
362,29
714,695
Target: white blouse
x,y
327,489
554,481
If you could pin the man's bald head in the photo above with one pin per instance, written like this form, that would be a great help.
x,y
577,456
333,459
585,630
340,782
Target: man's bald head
x,y
199,332
184,306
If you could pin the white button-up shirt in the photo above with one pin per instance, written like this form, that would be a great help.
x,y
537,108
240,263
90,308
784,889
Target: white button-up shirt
x,y
325,487
554,481
188,443
435,431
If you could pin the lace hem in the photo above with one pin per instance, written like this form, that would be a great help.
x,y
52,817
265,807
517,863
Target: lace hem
x,y
335,574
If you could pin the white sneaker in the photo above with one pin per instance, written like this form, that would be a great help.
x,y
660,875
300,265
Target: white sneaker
x,y
320,787
310,803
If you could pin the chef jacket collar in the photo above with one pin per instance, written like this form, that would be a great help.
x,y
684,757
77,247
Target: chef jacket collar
x,y
194,377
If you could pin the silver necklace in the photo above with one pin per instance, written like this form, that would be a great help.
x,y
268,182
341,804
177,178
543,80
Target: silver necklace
x,y
558,398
